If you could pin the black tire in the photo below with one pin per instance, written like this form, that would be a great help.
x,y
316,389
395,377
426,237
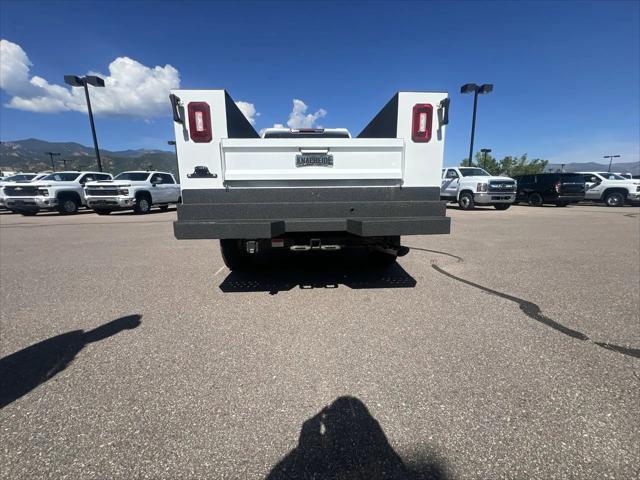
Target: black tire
x,y
535,199
233,255
143,205
164,208
102,211
382,259
614,199
466,202
501,206
29,213
68,206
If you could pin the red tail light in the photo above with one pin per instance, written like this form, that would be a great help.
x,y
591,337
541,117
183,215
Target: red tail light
x,y
558,184
200,122
422,122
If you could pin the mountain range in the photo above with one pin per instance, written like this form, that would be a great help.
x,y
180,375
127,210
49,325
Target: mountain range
x,y
31,155
628,167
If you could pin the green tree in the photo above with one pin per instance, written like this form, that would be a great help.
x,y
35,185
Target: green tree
x,y
511,166
490,164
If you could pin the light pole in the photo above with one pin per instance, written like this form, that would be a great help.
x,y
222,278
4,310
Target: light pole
x,y
51,155
611,157
476,90
175,147
484,159
76,81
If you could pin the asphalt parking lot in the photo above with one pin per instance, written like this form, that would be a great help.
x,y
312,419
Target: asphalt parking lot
x,y
508,349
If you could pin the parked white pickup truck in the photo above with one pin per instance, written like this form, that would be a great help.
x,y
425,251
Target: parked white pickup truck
x,y
471,186
63,191
612,189
138,190
309,189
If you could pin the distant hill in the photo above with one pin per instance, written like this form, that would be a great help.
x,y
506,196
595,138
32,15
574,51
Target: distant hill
x,y
629,167
30,156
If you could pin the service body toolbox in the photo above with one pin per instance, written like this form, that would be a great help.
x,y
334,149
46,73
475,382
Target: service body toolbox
x,y
309,189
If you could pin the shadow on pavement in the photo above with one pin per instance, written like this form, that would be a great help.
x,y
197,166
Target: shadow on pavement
x,y
343,441
284,271
534,312
24,370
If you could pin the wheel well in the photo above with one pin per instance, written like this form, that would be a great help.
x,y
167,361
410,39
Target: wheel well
x,y
466,190
68,195
615,190
143,193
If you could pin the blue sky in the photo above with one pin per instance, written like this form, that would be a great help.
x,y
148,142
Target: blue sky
x,y
566,74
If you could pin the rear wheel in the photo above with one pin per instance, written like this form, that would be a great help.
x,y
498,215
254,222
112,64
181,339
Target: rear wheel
x,y
68,206
501,206
466,201
535,200
233,255
382,259
614,199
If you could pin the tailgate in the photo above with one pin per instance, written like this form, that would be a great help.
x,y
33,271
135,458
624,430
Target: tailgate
x,y
312,159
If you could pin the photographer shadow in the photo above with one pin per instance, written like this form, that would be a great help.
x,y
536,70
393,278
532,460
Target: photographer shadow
x,y
274,273
26,369
343,441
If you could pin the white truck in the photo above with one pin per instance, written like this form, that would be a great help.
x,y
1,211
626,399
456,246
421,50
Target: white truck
x,y
612,189
309,189
471,186
62,191
136,190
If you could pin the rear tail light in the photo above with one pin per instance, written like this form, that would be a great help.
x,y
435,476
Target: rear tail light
x,y
422,122
558,185
200,122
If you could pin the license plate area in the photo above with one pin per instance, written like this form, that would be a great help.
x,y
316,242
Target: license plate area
x,y
314,160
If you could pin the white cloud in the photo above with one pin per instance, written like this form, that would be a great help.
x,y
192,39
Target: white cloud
x,y
131,89
249,111
299,118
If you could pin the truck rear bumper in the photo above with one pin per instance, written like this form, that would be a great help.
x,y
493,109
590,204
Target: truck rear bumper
x,y
254,213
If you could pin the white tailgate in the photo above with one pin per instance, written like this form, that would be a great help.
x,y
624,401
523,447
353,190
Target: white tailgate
x,y
275,159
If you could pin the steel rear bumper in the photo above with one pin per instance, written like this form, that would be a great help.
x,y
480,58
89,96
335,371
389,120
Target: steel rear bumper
x,y
255,213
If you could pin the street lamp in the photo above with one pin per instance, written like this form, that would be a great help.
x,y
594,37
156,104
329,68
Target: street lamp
x,y
484,159
51,155
476,90
175,147
76,81
611,157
